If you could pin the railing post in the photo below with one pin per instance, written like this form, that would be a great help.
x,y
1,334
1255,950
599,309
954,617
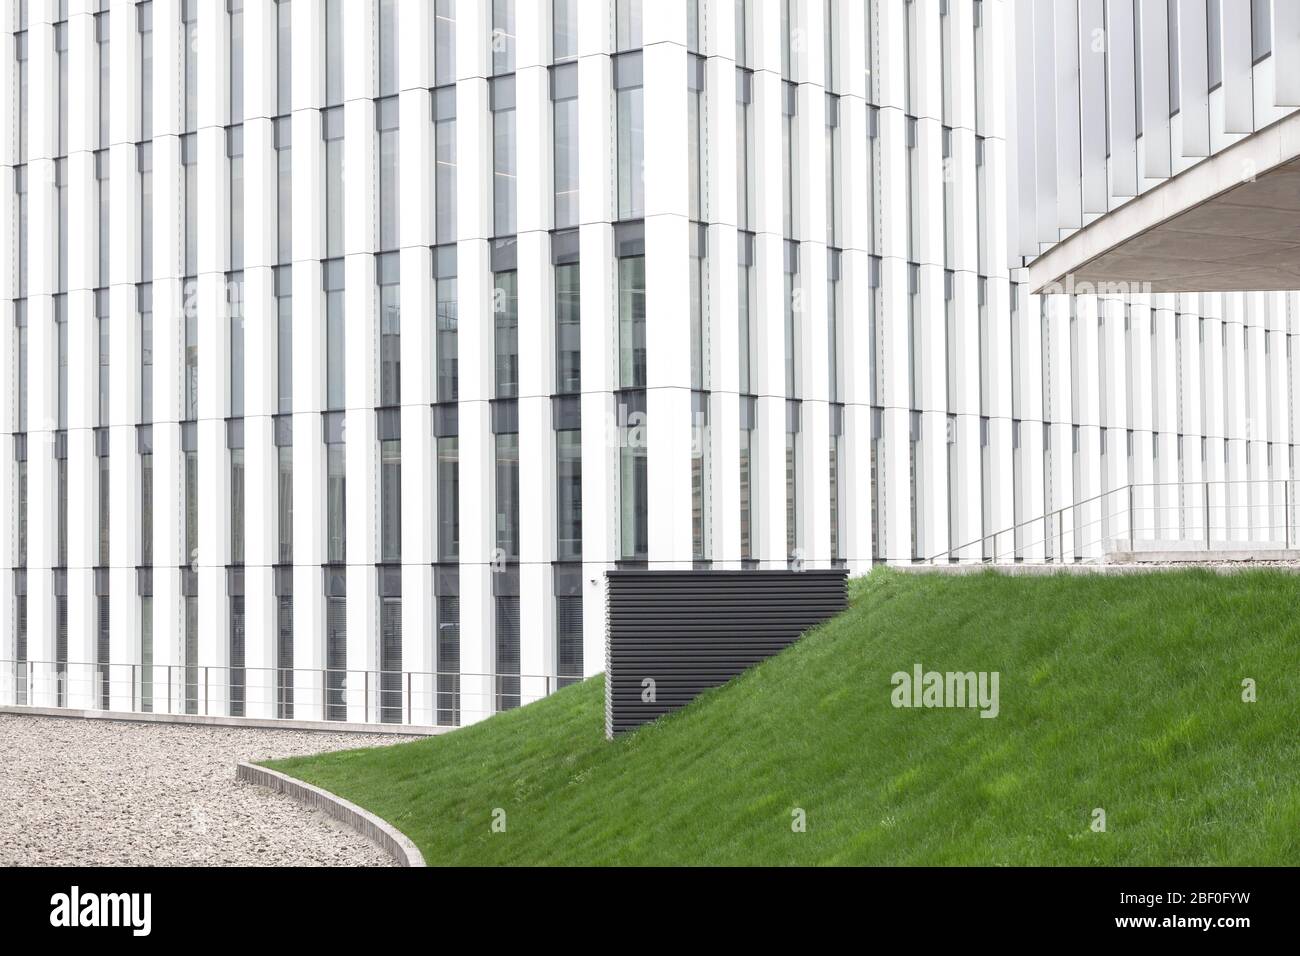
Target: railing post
x,y
1132,526
324,695
1207,516
365,697
1286,507
408,697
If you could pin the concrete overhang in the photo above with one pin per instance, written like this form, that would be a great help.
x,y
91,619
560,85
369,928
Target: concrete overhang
x,y
1230,223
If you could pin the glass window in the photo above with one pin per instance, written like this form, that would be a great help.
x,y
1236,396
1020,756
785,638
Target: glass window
x,y
568,329
388,182
627,25
444,42
283,199
564,30
105,510
746,494
505,160
792,495
144,21
335,339
744,286
742,32
699,330
189,149
1261,29
448,499
448,365
283,57
61,329
105,86
333,52
568,637
146,509
695,151
144,160
568,486
335,503
503,36
792,339
103,367
507,651
505,307
284,489
631,322
631,153
190,56
390,340
390,501
190,402
104,238
566,163
336,658
236,8
700,539
238,676
386,61
332,126
507,497
444,135
284,347
235,151
146,366
61,58
235,300
236,506
448,660
744,149
191,556
634,495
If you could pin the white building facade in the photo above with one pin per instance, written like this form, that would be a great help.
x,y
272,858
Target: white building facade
x,y
347,343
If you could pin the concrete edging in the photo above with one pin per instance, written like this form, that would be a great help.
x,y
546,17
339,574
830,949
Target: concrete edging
x,y
389,839
207,720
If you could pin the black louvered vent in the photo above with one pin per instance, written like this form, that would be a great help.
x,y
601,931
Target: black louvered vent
x,y
673,634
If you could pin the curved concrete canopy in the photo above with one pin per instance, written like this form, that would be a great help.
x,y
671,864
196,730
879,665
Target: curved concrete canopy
x,y
1229,223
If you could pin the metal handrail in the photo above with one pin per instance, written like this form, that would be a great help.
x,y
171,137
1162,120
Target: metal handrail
x,y
1130,488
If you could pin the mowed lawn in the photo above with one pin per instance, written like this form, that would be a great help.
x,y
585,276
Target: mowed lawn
x,y
1122,693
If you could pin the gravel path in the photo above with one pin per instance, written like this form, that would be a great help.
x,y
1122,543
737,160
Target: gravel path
x,y
104,793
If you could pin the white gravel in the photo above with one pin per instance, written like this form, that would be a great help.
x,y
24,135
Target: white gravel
x,y
107,793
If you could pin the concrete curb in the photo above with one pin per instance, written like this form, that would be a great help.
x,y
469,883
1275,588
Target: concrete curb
x,y
389,839
259,723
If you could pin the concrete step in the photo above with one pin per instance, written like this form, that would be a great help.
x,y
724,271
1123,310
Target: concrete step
x,y
1183,552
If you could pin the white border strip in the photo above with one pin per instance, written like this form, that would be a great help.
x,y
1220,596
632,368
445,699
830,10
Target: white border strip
x,y
391,840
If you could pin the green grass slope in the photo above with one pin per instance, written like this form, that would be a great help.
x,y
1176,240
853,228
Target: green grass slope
x,y
1120,693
